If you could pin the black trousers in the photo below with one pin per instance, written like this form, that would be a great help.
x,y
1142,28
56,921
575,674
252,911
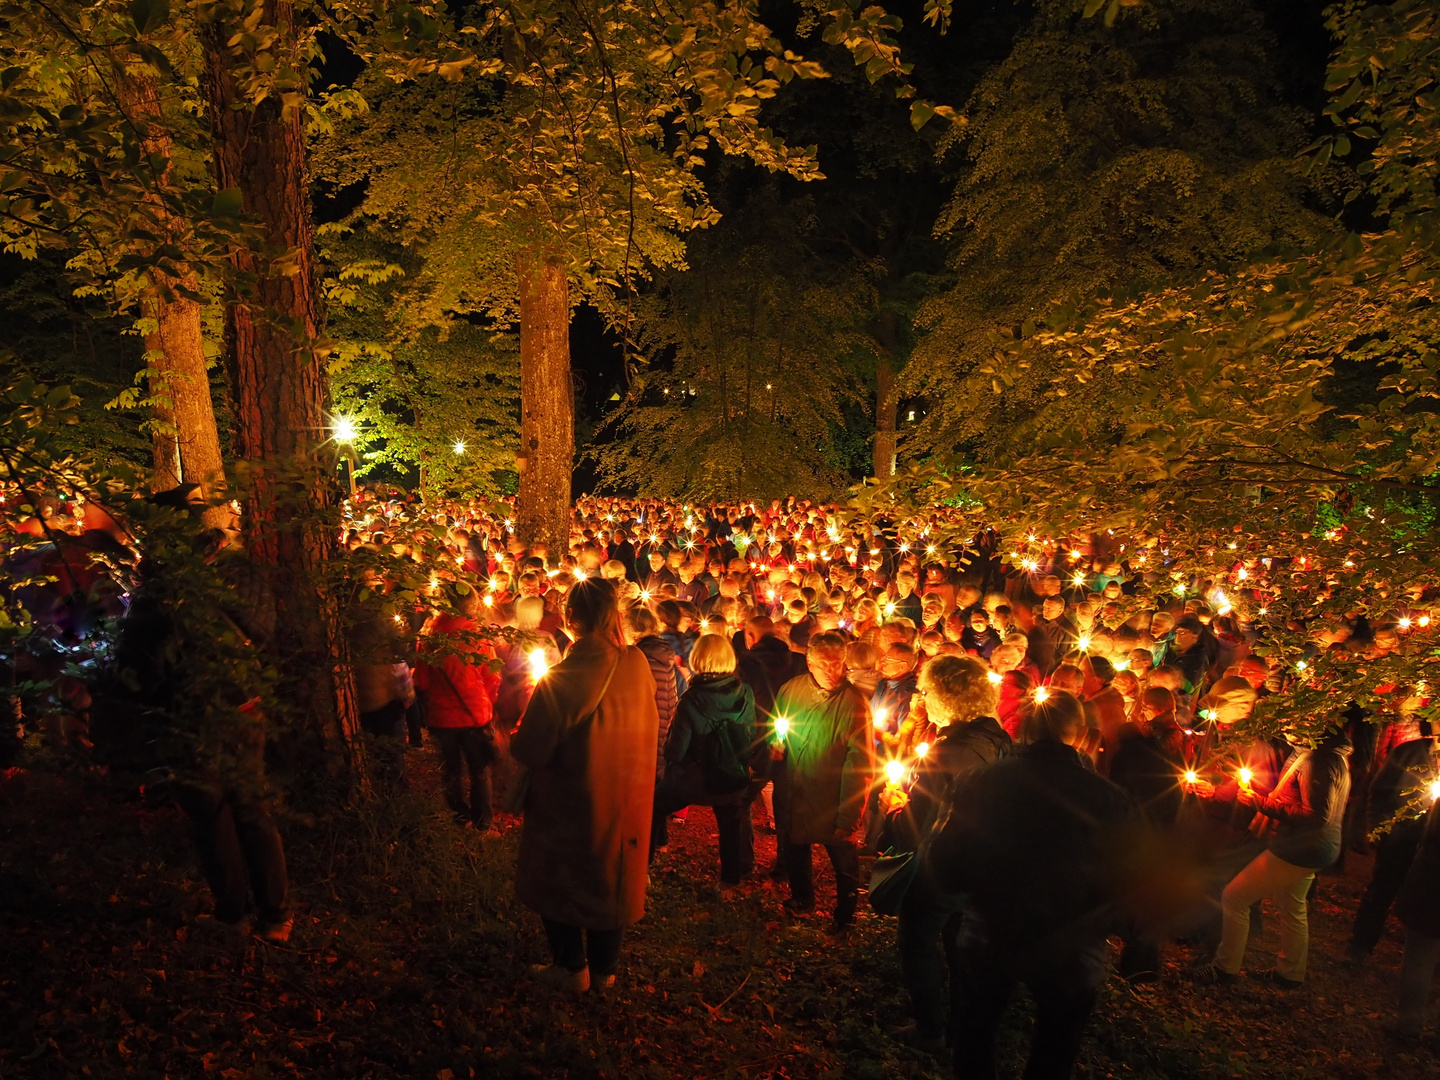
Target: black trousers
x,y
676,791
574,947
928,943
239,849
844,857
472,750
384,730
1393,856
1065,988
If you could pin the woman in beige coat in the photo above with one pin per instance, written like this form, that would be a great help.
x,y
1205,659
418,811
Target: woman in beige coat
x,y
588,738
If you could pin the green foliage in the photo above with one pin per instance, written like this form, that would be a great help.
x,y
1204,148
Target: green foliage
x,y
1095,159
751,379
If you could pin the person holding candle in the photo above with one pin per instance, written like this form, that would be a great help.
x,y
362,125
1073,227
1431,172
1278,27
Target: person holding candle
x,y
958,699
828,764
1043,849
588,739
1302,825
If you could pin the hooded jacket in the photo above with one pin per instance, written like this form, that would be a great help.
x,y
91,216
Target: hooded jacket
x,y
711,702
959,750
828,759
1308,807
662,669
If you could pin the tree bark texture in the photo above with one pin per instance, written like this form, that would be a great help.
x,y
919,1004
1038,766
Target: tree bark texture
x,y
280,392
547,406
885,438
185,438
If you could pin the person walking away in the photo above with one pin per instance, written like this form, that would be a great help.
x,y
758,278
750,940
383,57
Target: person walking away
x,y
642,630
708,755
828,765
459,688
1042,847
959,699
588,740
1419,912
1301,820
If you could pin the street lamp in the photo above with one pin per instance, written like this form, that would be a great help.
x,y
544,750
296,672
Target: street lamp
x,y
345,434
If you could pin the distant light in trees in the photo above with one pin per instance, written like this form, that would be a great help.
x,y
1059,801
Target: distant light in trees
x,y
345,430
459,447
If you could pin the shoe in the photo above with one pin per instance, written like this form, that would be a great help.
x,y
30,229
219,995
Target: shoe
x,y
238,930
555,977
602,984
909,1035
1273,978
277,933
1208,974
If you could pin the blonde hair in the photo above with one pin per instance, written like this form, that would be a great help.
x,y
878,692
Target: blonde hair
x,y
959,687
712,655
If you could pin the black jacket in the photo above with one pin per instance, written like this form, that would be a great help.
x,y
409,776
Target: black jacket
x,y
1041,845
765,669
662,667
957,752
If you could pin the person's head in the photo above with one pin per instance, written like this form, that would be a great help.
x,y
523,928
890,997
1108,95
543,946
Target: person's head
x,y
1052,608
932,608
613,570
979,621
1127,684
529,610
930,641
967,596
1059,718
1157,701
897,661
796,611
957,689
1168,676
1161,623
1229,701
640,622
1252,669
712,655
657,560
897,629
592,610
861,656
757,628
1007,657
669,614
825,658
1068,677
1187,633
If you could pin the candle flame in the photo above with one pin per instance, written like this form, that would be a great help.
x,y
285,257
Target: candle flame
x,y
1191,776
782,726
894,772
1244,776
1042,693
922,750
995,677
538,664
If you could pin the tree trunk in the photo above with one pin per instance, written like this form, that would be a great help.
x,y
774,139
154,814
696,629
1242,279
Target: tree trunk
x,y
280,394
884,461
186,440
547,407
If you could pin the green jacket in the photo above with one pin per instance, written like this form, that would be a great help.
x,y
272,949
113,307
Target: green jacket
x,y
828,759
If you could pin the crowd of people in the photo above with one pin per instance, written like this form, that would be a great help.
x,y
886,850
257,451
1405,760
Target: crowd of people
x,y
1031,756
1047,752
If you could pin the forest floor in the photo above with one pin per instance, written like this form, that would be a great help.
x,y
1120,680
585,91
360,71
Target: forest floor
x,y
410,959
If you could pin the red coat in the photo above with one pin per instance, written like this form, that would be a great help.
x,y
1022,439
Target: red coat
x,y
460,690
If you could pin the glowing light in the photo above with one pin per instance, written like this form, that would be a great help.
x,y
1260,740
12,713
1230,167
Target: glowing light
x,y
492,585
1042,693
1075,555
1244,776
782,726
1301,665
459,447
1191,776
1121,665
930,550
487,600
1210,714
881,715
1262,611
890,609
1084,642
1404,624
538,664
905,546
1241,574
345,430
922,749
995,677
644,594
1078,579
578,574
398,620
894,773
704,624
510,524
1423,621
1434,790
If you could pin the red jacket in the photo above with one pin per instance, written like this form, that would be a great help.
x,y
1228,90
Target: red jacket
x,y
460,694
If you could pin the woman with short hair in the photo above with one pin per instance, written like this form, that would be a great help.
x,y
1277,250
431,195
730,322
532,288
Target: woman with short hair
x,y
707,755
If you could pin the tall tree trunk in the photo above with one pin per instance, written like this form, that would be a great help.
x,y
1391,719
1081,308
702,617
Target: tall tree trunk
x,y
186,440
547,406
885,439
280,393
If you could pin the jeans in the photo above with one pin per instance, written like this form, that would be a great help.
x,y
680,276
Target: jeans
x,y
575,948
384,730
474,748
1422,955
1065,988
239,849
1393,856
926,916
1286,885
845,858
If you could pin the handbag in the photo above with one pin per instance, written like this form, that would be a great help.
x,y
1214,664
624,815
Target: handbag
x,y
890,879
520,786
